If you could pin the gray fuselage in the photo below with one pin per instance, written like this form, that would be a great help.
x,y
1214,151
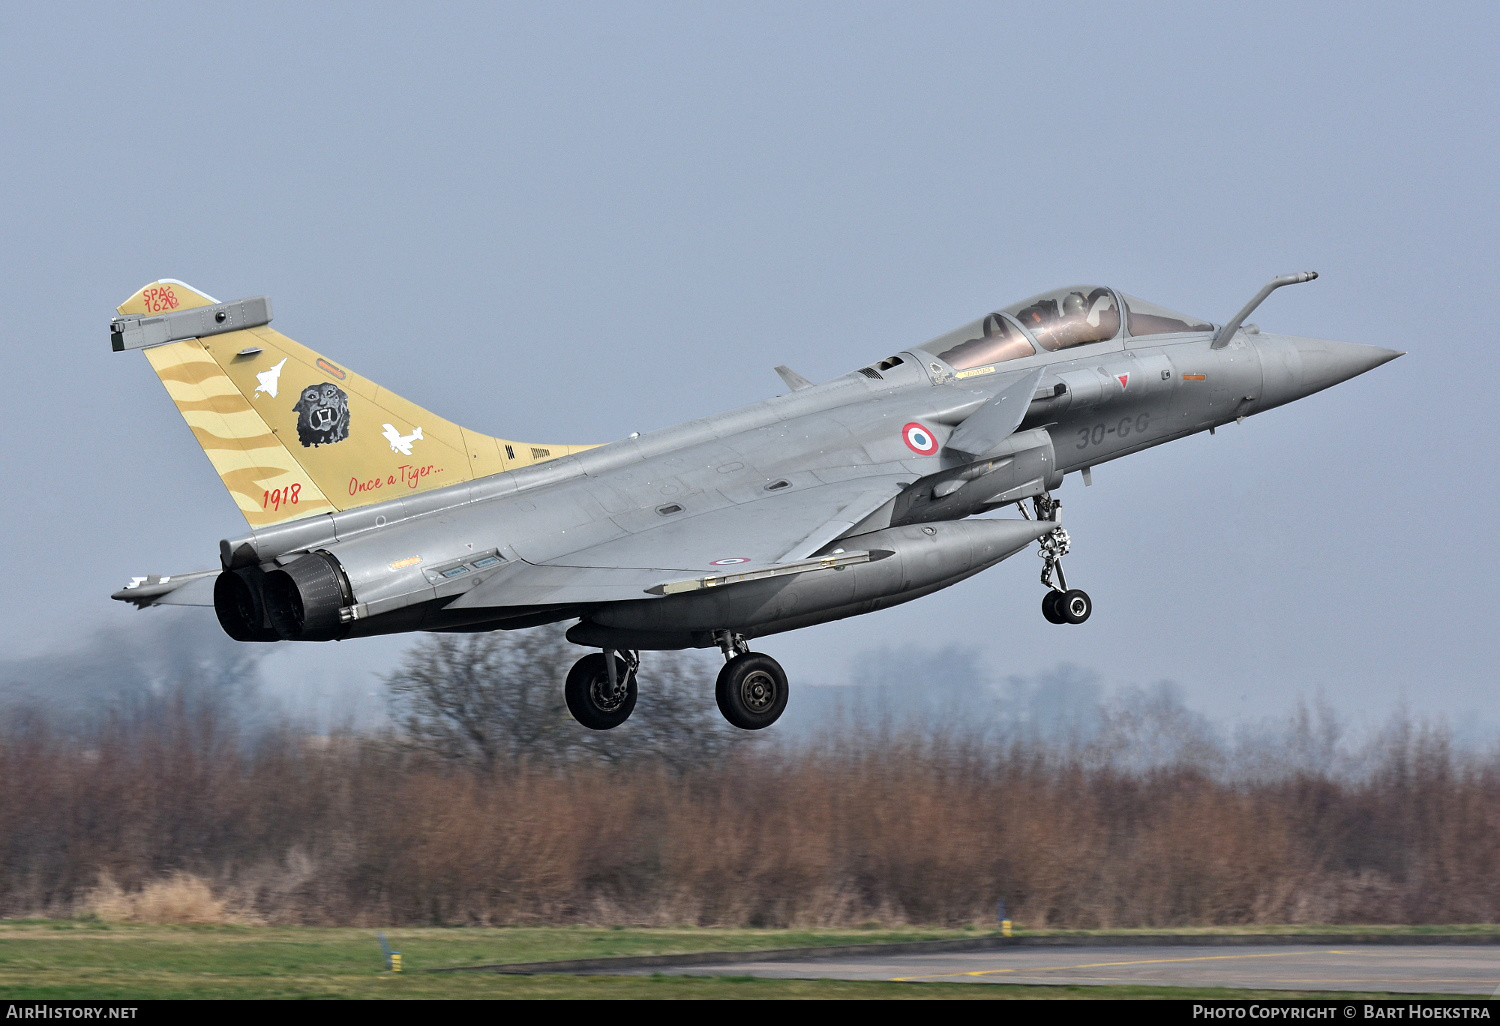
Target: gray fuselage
x,y
1094,403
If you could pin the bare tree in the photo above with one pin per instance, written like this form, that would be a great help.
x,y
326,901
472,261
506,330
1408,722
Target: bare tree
x,y
1151,728
170,657
485,699
482,698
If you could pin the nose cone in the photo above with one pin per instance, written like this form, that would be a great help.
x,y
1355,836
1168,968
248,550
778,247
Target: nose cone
x,y
1326,363
1296,367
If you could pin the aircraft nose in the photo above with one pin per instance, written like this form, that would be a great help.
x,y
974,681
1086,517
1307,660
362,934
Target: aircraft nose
x,y
1295,367
1326,363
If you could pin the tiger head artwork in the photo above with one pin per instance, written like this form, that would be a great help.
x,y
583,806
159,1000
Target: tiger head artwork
x,y
322,415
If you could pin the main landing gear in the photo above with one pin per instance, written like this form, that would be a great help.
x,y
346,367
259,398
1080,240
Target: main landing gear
x,y
752,688
1061,604
600,690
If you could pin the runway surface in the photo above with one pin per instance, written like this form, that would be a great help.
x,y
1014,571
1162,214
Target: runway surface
x,y
1417,969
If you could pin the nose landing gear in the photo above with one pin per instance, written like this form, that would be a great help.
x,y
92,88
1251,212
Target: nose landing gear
x,y
1061,604
752,687
1072,606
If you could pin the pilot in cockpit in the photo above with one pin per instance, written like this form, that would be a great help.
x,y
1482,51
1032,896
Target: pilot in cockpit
x,y
1070,317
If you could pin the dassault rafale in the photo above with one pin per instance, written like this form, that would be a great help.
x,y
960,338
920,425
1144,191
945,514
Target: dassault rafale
x,y
370,515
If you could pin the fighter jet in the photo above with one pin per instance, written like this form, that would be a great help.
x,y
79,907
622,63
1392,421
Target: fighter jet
x,y
369,515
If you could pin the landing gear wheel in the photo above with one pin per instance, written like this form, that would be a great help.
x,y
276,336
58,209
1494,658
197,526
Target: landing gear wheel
x,y
751,691
1050,607
1075,606
592,700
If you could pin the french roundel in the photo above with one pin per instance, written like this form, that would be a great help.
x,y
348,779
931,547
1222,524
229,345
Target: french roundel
x,y
919,440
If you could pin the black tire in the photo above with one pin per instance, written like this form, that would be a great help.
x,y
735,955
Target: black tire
x,y
588,693
1075,606
752,691
1050,609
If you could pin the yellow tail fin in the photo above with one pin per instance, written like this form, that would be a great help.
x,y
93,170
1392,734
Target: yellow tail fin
x,y
293,434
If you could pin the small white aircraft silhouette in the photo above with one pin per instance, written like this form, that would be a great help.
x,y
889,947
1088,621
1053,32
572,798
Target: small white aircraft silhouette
x,y
268,380
399,442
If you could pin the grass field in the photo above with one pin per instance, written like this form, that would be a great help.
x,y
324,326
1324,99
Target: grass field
x,y
80,959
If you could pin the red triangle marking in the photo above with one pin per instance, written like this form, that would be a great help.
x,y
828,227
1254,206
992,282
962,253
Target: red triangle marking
x,y
1123,379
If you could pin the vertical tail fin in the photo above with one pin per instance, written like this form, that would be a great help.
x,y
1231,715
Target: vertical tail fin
x,y
290,433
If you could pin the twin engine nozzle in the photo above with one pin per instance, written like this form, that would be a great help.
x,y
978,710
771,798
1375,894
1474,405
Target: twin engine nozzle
x,y
298,602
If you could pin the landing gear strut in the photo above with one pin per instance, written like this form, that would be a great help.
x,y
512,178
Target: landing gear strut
x,y
752,688
1061,604
600,690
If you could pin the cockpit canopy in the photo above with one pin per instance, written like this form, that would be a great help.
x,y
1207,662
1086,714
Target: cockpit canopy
x,y
1056,320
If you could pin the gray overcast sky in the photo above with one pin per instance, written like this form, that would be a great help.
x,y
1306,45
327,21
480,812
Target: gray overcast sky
x,y
567,222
